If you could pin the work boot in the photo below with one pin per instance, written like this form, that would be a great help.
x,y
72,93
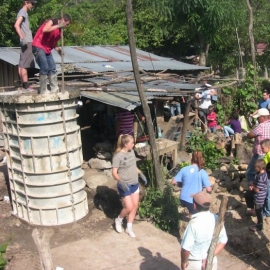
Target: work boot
x,y
53,83
43,84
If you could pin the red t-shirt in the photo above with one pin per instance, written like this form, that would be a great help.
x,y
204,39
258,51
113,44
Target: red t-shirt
x,y
211,119
47,41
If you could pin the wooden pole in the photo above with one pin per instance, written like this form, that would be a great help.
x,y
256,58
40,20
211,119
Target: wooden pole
x,y
185,123
145,107
42,240
62,56
219,225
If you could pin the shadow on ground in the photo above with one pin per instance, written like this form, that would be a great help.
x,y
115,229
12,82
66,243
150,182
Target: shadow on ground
x,y
108,200
155,262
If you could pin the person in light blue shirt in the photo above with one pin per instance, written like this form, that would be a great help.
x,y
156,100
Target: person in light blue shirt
x,y
193,178
263,103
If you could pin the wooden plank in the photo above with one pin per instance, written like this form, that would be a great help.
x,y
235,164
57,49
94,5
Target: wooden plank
x,y
175,125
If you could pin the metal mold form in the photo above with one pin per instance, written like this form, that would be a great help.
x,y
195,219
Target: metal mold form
x,y
44,157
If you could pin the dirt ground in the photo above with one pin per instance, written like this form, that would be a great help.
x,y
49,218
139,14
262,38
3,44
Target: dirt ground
x,y
252,249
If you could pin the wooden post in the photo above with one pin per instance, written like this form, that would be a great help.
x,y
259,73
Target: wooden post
x,y
145,107
196,111
219,225
185,124
42,240
265,72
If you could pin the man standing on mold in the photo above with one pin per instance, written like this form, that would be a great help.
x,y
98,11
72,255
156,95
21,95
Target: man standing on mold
x,y
44,41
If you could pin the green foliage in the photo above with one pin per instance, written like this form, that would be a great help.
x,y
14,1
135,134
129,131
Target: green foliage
x,y
211,153
183,164
224,106
161,208
247,95
3,249
147,167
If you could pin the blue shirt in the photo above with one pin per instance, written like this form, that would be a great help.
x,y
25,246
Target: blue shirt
x,y
193,180
263,103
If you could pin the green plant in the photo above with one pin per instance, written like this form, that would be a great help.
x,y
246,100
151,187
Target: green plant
x,y
161,208
147,168
183,164
3,249
211,153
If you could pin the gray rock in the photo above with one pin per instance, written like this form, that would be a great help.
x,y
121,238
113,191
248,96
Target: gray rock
x,y
100,164
212,180
93,181
85,166
244,185
243,167
105,146
104,155
226,160
219,174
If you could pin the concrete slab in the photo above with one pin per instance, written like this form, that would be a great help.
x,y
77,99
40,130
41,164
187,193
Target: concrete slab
x,y
151,249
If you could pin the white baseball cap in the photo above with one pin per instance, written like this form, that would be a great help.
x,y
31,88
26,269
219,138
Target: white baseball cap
x,y
261,112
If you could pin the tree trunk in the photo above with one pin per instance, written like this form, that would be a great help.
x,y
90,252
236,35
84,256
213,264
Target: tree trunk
x,y
145,107
251,36
204,50
42,240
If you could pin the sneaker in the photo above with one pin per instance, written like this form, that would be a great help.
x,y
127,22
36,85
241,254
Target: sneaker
x,y
130,232
118,225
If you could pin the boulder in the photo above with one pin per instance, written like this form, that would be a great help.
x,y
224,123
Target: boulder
x,y
219,174
243,167
209,171
212,180
105,146
223,168
104,155
93,181
226,160
99,164
85,165
244,185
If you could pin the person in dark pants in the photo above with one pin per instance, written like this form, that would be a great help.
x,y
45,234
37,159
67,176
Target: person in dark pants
x,y
256,195
44,42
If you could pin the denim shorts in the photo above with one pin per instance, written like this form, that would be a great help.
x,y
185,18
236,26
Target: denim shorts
x,y
189,206
132,189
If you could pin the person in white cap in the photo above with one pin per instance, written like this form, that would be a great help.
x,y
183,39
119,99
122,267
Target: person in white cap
x,y
260,133
198,235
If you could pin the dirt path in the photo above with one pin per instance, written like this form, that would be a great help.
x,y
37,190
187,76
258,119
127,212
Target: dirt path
x,y
91,243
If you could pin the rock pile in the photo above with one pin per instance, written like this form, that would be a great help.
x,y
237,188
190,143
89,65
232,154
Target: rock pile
x,y
100,166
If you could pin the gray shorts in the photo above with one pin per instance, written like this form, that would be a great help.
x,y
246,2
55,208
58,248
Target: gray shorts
x,y
26,56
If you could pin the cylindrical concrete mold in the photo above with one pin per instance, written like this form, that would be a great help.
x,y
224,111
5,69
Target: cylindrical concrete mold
x,y
44,157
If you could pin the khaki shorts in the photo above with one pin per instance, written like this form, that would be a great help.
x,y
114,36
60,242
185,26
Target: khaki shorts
x,y
26,56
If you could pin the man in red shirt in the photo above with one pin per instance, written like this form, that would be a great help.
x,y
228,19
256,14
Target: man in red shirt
x,y
44,41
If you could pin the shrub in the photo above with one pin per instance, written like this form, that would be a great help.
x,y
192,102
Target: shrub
x,y
161,208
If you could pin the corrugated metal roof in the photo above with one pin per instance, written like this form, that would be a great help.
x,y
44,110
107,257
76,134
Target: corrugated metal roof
x,y
155,84
127,100
120,100
98,58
